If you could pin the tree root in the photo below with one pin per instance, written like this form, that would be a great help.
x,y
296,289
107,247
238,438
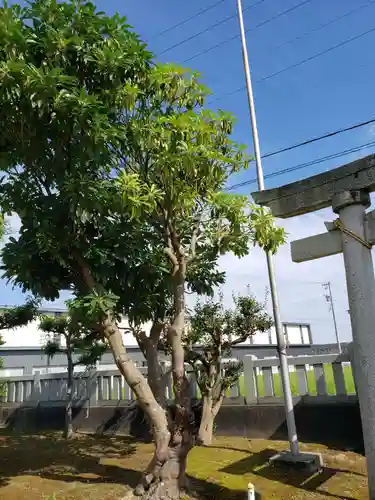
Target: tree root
x,y
163,481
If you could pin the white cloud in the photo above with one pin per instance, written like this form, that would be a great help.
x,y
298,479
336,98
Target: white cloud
x,y
301,294
13,225
371,130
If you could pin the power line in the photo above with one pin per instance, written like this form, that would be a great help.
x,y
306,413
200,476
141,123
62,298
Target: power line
x,y
304,165
315,139
219,23
213,47
203,11
292,66
324,25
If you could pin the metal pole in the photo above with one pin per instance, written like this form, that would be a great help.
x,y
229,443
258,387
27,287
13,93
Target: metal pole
x,y
281,345
328,287
359,269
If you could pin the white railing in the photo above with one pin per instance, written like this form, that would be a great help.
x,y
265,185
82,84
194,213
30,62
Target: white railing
x,y
322,376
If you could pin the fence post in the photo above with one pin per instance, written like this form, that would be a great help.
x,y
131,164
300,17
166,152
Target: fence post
x,y
91,386
37,390
251,393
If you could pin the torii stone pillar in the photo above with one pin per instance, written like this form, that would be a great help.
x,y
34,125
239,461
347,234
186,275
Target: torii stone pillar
x,y
347,190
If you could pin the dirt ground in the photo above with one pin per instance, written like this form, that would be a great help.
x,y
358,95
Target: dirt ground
x,y
97,468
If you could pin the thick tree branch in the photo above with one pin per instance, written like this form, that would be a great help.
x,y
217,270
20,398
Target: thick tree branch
x,y
193,357
196,233
239,340
169,252
85,270
155,332
193,242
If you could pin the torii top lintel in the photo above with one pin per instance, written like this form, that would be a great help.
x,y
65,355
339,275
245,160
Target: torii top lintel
x,y
316,192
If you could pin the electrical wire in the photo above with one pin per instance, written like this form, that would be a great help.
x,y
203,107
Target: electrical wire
x,y
321,137
300,166
300,63
194,16
219,23
324,25
263,23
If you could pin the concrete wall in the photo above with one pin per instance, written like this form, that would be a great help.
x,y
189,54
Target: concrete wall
x,y
338,425
25,361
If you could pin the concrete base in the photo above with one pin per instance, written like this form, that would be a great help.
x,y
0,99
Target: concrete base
x,y
310,463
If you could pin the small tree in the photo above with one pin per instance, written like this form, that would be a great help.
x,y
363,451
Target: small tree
x,y
81,347
15,317
212,331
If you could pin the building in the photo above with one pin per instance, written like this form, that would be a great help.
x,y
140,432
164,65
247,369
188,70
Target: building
x,y
23,353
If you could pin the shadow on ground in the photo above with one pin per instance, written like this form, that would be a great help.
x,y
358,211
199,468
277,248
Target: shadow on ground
x,y
98,460
210,491
258,464
52,457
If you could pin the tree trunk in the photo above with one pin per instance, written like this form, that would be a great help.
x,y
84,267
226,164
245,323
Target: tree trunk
x,y
165,475
206,427
149,347
171,476
68,431
169,479
154,370
166,471
155,376
210,409
183,435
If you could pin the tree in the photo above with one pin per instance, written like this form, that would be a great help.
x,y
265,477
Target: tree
x,y
15,317
80,343
154,304
211,333
117,174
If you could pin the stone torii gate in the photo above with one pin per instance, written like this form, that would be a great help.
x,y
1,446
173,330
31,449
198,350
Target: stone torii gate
x,y
346,189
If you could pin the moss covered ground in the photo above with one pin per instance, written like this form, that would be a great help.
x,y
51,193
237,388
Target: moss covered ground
x,y
46,467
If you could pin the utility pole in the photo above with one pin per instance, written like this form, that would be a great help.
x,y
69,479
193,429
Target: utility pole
x,y
281,345
329,299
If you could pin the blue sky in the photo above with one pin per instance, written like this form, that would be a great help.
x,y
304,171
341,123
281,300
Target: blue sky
x,y
327,93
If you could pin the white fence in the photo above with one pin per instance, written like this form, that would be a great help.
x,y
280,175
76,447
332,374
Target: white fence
x,y
327,377
323,377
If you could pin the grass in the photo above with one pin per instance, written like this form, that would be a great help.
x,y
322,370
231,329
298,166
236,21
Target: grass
x,y
46,467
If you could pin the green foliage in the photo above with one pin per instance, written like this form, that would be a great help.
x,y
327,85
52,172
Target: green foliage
x,y
81,342
211,333
94,306
15,317
19,315
66,72
266,234
114,166
184,151
213,324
